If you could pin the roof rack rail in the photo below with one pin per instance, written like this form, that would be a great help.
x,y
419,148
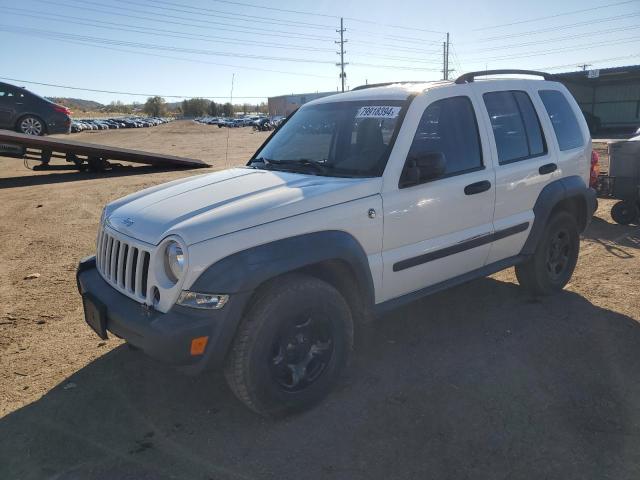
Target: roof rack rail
x,y
385,84
470,77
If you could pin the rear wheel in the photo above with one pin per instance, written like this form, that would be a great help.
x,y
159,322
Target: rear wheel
x,y
291,346
31,125
625,212
550,268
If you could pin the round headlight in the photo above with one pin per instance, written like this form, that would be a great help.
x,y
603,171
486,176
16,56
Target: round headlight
x,y
174,261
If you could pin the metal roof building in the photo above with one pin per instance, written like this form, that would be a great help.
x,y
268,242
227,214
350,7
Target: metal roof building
x,y
285,104
611,94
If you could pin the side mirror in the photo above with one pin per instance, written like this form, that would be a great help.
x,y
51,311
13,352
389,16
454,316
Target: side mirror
x,y
422,167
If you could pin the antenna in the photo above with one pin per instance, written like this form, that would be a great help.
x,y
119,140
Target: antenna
x,y
226,152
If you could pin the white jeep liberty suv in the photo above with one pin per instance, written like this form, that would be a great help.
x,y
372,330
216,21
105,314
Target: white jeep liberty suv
x,y
359,202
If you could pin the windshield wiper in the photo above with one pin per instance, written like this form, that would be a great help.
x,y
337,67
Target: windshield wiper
x,y
296,164
264,161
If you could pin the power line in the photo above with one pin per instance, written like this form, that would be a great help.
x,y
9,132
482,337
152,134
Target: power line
x,y
273,33
99,41
225,15
395,57
172,16
555,39
403,27
275,9
207,38
192,60
397,38
546,17
149,46
157,31
592,62
294,24
395,67
195,36
255,17
300,12
547,52
395,48
120,93
553,29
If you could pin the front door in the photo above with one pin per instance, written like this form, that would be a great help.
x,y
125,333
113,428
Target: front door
x,y
442,228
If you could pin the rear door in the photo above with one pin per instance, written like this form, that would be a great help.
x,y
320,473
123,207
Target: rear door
x,y
440,229
525,161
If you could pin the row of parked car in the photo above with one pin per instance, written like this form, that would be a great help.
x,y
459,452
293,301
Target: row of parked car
x,y
119,122
257,122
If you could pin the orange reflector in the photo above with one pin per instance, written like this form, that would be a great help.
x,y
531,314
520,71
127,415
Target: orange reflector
x,y
198,345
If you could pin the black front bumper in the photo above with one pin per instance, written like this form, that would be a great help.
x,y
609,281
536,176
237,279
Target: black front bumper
x,y
165,336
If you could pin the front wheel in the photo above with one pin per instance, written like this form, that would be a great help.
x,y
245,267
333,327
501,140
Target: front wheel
x,y
31,125
550,268
291,346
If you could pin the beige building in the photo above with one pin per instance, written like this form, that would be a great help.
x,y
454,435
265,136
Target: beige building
x,y
285,104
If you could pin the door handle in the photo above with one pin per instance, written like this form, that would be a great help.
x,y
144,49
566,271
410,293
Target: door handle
x,y
548,168
477,187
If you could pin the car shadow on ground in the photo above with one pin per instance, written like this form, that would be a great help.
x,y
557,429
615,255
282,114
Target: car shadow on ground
x,y
477,382
71,174
619,240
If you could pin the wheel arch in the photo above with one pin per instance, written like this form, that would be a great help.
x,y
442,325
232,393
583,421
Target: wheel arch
x,y
567,194
332,256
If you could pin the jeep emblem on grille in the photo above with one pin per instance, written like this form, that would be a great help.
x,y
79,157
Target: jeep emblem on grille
x,y
128,221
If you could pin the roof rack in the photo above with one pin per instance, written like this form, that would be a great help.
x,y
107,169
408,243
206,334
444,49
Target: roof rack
x,y
385,84
470,77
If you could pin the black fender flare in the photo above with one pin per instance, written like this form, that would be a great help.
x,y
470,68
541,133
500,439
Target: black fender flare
x,y
246,270
550,196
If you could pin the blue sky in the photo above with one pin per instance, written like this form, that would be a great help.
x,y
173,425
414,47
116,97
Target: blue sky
x,y
193,47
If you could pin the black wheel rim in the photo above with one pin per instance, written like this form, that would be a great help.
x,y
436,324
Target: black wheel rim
x,y
301,352
558,254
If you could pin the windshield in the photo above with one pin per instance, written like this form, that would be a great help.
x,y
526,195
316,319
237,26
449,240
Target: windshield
x,y
336,139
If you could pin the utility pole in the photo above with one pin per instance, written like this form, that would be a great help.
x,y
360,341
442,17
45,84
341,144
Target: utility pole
x,y
342,52
445,72
584,66
445,59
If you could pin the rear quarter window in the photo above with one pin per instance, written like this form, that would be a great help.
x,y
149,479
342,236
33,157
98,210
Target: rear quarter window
x,y
564,121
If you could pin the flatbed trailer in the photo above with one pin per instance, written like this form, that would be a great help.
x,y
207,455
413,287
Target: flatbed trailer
x,y
85,156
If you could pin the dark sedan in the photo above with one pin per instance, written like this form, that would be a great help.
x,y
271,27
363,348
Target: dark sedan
x,y
26,112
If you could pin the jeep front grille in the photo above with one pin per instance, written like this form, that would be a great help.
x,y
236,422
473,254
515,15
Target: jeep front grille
x,y
124,265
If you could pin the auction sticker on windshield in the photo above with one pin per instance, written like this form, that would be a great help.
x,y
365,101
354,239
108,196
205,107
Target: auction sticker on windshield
x,y
378,111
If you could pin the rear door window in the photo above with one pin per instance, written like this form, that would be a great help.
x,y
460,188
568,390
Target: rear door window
x,y
515,124
565,124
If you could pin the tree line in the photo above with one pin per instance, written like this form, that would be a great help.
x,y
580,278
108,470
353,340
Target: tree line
x,y
198,107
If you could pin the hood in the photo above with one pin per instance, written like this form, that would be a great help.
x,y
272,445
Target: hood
x,y
208,206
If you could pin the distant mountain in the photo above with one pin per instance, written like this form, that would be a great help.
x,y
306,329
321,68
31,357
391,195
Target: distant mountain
x,y
78,104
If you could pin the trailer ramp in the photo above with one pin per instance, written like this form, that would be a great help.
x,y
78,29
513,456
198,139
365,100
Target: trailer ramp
x,y
84,155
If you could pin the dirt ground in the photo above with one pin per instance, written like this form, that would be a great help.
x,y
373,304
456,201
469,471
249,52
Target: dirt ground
x,y
477,382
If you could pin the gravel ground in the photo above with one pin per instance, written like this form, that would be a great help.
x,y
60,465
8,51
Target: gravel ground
x,y
477,382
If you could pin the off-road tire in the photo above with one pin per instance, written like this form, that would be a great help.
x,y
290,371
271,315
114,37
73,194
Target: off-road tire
x,y
535,274
248,367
